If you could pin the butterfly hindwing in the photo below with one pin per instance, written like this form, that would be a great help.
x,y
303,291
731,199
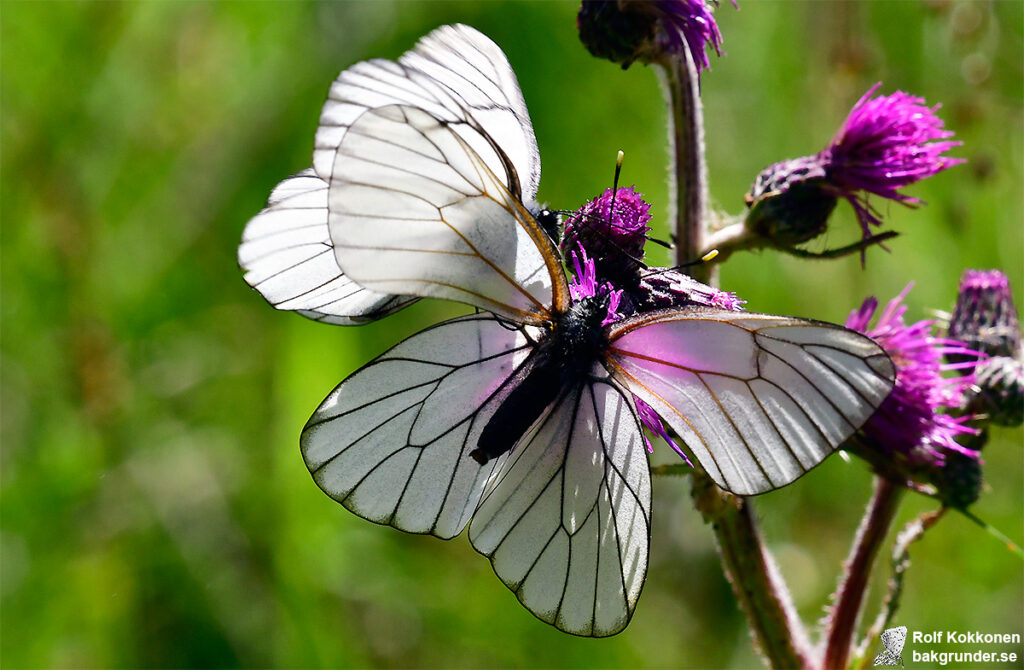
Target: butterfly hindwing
x,y
288,257
392,442
414,210
759,399
457,75
566,522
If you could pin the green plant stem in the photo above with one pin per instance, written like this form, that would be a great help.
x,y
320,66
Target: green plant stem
x,y
688,182
753,575
874,527
747,564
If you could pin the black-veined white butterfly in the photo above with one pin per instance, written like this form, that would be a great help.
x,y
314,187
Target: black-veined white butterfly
x,y
519,422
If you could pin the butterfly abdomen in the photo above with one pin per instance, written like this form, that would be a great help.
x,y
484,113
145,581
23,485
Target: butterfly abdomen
x,y
563,360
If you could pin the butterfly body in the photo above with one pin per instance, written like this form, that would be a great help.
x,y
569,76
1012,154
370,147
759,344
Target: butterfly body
x,y
562,359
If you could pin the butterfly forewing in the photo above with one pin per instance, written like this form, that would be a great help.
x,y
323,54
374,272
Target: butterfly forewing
x,y
288,257
566,522
392,441
455,74
414,210
759,399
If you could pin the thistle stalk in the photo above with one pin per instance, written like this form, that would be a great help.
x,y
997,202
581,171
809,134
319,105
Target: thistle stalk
x,y
874,527
747,563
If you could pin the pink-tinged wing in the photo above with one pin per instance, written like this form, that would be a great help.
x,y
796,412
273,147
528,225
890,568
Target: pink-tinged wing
x,y
414,210
566,522
392,442
457,75
288,257
758,399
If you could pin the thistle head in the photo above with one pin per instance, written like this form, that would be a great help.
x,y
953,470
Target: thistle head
x,y
912,431
624,31
612,230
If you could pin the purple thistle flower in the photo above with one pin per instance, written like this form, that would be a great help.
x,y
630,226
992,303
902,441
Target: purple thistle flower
x,y
910,428
664,288
650,419
584,284
689,24
649,30
886,143
613,230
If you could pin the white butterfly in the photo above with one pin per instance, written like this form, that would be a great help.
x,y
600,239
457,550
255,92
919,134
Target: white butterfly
x,y
893,640
519,422
458,76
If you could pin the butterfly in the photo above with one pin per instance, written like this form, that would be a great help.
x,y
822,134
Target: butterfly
x,y
893,640
286,251
519,420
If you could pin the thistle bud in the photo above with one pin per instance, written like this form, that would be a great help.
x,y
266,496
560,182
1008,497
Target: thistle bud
x,y
985,317
958,482
998,391
790,202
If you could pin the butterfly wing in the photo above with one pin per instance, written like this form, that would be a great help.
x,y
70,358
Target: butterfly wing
x,y
759,399
288,257
566,522
885,658
391,443
415,210
457,75
893,639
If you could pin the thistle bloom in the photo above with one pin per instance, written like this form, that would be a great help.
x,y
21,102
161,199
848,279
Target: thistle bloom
x,y
910,428
886,143
584,284
985,317
613,229
610,233
648,30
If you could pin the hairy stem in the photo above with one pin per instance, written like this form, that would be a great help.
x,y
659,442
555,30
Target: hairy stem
x,y
874,527
753,575
746,562
688,181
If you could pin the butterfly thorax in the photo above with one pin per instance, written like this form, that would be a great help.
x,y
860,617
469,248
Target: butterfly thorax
x,y
560,362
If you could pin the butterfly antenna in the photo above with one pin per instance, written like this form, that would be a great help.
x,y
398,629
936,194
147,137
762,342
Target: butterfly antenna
x,y
615,184
702,259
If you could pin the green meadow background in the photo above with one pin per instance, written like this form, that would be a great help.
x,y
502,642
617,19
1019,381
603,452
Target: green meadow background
x,y
155,509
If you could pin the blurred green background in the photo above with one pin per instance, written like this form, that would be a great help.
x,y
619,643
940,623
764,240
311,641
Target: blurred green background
x,y
155,509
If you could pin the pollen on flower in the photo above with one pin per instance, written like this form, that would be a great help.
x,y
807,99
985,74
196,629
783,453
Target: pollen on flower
x,y
911,427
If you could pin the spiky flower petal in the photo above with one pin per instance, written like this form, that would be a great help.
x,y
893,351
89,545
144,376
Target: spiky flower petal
x,y
911,427
886,143
624,31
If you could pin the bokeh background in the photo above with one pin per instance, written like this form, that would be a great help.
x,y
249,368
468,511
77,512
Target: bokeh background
x,y
155,509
